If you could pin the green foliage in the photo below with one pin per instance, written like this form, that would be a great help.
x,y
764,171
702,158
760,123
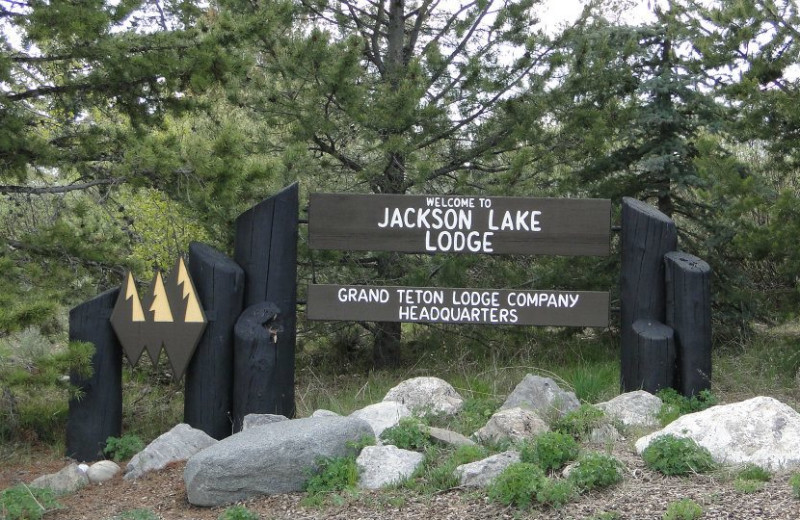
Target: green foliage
x,y
24,503
549,450
594,471
674,404
794,483
517,485
606,515
333,475
580,423
137,514
556,493
684,509
672,455
409,434
238,513
747,486
123,448
753,472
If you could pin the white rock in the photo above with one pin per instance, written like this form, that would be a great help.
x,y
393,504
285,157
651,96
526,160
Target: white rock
x,y
381,416
761,431
102,471
381,466
424,395
482,472
513,423
638,408
542,395
83,467
180,443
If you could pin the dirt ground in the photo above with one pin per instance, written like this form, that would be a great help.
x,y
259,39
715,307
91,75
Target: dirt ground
x,y
643,495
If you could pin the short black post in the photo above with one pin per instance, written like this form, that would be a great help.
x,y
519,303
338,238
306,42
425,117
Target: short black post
x,y
655,350
647,235
266,248
97,415
689,314
255,363
208,397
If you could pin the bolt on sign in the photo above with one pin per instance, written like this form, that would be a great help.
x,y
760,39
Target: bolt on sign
x,y
171,317
459,224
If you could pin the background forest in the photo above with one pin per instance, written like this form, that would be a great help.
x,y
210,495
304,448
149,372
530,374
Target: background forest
x,y
129,128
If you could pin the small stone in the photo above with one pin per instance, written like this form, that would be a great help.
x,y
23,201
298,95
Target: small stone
x,y
180,443
637,409
382,415
513,423
543,396
68,480
482,472
382,466
427,395
102,471
449,437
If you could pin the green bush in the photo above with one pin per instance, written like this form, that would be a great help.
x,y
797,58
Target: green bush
x,y
333,474
238,513
556,493
672,455
596,470
517,485
684,509
550,450
753,472
23,502
745,486
580,423
409,434
674,404
794,481
123,448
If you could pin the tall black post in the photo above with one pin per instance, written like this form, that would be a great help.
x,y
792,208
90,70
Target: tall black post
x,y
689,314
97,415
647,235
208,398
266,248
655,354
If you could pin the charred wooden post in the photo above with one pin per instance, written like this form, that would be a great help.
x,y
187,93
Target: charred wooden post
x,y
688,280
208,397
655,352
97,415
256,384
266,248
647,235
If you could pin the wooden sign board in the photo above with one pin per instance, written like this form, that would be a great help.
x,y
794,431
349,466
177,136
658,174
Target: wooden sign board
x,y
459,224
440,305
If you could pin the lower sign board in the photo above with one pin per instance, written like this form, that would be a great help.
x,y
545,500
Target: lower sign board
x,y
447,305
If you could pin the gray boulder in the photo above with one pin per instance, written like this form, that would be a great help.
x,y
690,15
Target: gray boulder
x,y
423,395
382,415
761,431
102,471
513,423
180,443
480,473
252,420
324,413
637,409
68,480
381,466
270,459
542,395
448,437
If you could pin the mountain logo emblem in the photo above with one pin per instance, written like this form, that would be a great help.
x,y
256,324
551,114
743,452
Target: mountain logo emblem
x,y
170,316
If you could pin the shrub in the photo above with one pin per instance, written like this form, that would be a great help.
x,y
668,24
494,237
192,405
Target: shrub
x,y
333,474
580,423
753,472
794,481
409,434
684,509
550,450
238,513
745,486
672,455
517,485
674,404
556,493
23,502
596,470
123,448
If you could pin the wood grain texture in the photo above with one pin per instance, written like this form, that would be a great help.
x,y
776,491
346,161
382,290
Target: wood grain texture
x,y
266,249
98,414
208,396
647,235
655,355
688,285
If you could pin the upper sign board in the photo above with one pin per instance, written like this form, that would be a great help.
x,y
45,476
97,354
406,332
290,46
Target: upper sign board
x,y
459,224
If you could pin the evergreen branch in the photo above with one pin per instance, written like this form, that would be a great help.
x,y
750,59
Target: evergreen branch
x,y
52,190
64,89
331,150
52,253
462,44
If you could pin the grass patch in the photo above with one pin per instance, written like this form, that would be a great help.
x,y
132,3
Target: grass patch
x,y
123,448
238,512
517,485
672,455
22,502
794,482
684,509
137,514
674,404
596,471
580,423
333,474
746,486
549,450
409,434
